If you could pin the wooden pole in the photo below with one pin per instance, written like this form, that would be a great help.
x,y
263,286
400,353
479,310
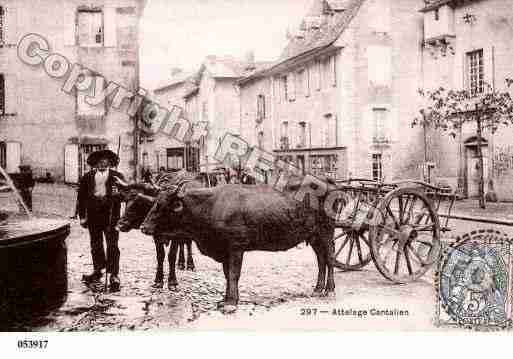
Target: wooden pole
x,y
480,170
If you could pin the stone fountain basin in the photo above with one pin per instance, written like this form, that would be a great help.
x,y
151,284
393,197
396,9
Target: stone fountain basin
x,y
33,266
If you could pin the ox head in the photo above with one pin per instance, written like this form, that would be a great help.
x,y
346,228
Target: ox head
x,y
138,205
166,213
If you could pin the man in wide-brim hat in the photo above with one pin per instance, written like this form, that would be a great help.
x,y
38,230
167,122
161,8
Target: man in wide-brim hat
x,y
99,210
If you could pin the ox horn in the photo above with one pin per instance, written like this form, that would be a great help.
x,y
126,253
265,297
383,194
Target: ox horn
x,y
147,197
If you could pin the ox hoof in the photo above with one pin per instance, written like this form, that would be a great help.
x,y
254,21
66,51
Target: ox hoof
x,y
220,304
330,294
318,293
191,268
181,266
172,286
228,309
158,284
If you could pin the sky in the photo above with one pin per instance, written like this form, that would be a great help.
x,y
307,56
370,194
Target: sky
x,y
181,33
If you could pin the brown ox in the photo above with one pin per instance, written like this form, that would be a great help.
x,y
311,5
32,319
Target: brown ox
x,y
229,220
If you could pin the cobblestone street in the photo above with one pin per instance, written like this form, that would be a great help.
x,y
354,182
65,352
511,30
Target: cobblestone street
x,y
275,288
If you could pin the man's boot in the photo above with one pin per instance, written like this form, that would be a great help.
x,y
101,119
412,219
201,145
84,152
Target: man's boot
x,y
115,283
93,277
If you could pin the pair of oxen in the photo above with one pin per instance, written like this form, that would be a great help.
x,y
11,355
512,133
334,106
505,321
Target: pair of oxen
x,y
226,221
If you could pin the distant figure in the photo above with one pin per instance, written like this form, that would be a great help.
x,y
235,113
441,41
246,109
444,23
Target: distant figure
x,y
146,175
26,185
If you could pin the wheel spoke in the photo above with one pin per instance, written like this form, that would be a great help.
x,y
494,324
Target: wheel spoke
x,y
387,255
359,249
419,259
348,261
411,204
365,240
408,263
342,246
397,261
389,211
400,201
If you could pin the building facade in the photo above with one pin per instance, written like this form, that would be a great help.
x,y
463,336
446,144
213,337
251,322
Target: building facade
x,y
40,124
467,44
333,105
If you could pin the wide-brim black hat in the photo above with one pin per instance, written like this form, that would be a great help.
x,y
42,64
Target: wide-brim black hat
x,y
96,156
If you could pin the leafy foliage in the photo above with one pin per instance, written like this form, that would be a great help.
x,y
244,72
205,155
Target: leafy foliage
x,y
448,110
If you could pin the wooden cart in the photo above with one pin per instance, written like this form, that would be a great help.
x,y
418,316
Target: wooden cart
x,y
395,225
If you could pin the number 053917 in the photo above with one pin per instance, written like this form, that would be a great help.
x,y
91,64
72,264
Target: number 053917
x,y
32,344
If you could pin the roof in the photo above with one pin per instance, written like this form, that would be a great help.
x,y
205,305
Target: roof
x,y
335,16
229,67
178,79
435,4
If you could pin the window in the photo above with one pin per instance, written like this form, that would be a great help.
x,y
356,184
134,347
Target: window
x,y
334,70
291,87
300,78
3,155
175,158
90,28
307,81
2,27
2,94
437,15
285,95
475,72
380,116
260,108
329,130
318,66
260,139
204,111
284,138
302,135
377,167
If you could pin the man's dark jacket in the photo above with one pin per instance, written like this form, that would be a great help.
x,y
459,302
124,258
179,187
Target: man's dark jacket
x,y
86,194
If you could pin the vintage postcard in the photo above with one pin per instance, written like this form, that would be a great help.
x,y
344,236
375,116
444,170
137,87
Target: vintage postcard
x,y
291,165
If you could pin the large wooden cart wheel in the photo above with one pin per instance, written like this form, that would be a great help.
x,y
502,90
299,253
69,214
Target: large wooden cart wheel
x,y
352,248
404,235
352,245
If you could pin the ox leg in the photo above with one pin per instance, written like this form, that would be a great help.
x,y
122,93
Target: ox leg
x,y
159,276
171,256
232,275
330,259
190,261
181,257
321,264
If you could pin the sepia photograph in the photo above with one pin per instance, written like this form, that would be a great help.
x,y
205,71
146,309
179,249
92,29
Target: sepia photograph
x,y
180,166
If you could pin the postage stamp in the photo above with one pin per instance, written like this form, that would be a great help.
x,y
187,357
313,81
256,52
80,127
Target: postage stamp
x,y
474,280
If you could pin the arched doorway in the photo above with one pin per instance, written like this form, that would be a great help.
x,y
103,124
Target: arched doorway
x,y
472,165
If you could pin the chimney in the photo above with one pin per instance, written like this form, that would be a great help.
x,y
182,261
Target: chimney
x,y
175,71
249,58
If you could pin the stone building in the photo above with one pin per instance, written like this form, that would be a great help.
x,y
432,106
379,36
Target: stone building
x,y
160,150
215,100
342,89
467,44
40,124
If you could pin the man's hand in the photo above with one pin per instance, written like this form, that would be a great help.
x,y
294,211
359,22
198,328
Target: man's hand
x,y
83,222
120,182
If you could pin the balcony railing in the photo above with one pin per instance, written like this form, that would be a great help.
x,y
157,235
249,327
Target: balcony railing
x,y
284,143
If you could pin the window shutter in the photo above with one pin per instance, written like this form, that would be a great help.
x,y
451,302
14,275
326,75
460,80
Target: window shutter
x,y
11,33
334,70
292,86
110,27
13,157
71,163
11,96
307,81
70,19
